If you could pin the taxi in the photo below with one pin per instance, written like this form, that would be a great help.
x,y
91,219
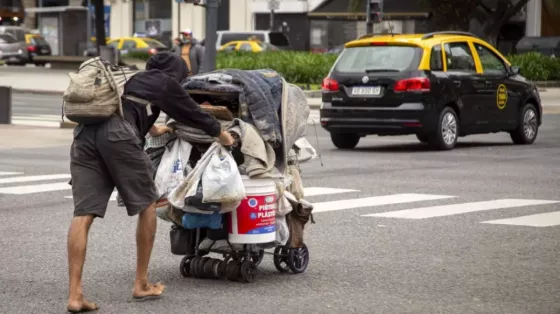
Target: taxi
x,y
131,44
248,45
439,86
37,46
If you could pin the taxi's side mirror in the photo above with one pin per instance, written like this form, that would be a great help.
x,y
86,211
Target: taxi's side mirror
x,y
515,70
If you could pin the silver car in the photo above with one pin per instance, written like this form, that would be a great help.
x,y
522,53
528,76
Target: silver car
x,y
13,48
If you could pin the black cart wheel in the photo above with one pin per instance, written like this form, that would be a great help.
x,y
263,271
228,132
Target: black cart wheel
x,y
232,270
247,272
281,259
208,268
298,259
185,266
257,258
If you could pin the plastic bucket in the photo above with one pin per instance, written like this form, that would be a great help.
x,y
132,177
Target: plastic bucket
x,y
254,220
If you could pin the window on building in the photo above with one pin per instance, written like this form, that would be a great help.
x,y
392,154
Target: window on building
x,y
152,16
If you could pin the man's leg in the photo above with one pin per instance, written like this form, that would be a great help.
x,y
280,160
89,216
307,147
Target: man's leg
x,y
91,189
77,243
131,171
145,235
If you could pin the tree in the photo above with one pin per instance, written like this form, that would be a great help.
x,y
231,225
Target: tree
x,y
476,16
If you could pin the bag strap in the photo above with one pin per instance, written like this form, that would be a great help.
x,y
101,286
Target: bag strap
x,y
141,101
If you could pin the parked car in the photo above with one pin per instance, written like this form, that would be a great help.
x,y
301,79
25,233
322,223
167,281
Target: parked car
x,y
130,44
13,45
248,45
277,39
37,46
12,51
439,86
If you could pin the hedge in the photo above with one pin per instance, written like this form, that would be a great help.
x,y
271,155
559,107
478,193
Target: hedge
x,y
310,68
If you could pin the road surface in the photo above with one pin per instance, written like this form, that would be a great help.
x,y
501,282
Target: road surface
x,y
400,229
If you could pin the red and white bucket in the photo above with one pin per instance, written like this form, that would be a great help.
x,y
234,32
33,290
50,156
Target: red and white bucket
x,y
254,221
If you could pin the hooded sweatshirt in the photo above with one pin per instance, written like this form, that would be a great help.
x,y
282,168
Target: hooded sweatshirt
x,y
160,84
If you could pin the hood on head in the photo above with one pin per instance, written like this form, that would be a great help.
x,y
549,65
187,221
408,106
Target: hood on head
x,y
170,63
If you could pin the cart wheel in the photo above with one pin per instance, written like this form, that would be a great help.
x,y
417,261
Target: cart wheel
x,y
217,269
298,259
208,268
232,270
257,258
196,269
185,266
247,272
192,267
281,259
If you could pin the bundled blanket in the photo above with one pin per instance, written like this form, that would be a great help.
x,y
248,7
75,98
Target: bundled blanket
x,y
194,135
260,96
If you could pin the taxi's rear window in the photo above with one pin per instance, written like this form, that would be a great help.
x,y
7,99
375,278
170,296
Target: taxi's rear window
x,y
378,58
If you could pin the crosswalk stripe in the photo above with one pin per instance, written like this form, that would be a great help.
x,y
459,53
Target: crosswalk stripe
x,y
375,201
454,209
34,178
537,220
8,173
315,191
38,188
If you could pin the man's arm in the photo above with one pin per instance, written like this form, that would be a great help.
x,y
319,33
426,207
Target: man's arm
x,y
178,105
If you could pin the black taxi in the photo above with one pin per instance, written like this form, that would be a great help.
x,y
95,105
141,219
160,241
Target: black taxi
x,y
438,86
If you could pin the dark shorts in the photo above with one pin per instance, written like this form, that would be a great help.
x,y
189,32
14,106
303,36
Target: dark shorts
x,y
106,156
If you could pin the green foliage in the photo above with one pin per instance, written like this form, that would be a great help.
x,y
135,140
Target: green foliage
x,y
305,68
537,67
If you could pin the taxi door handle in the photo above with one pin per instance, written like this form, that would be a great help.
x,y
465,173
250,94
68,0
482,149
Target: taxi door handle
x,y
458,83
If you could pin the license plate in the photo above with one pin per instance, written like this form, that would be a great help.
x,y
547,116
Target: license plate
x,y
44,51
366,91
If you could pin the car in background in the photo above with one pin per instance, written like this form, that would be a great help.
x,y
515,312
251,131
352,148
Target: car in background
x,y
13,46
248,45
438,86
12,51
277,39
37,46
127,45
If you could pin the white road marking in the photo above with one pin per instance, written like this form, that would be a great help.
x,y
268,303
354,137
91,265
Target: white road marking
x,y
8,173
314,191
112,198
537,220
375,201
34,178
454,209
38,188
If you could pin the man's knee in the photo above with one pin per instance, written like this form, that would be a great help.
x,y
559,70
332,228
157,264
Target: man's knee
x,y
83,220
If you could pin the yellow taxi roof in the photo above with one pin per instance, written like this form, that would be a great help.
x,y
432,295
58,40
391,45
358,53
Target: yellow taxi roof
x,y
414,39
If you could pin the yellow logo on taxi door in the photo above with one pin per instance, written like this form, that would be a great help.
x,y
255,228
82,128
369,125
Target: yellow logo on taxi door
x,y
501,96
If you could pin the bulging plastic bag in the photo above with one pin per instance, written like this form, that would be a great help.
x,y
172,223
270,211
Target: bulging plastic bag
x,y
171,170
221,180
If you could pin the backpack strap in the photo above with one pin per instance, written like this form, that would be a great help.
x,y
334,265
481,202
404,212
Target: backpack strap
x,y
141,101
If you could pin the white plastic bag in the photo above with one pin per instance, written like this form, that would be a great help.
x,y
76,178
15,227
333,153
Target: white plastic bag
x,y
221,181
171,168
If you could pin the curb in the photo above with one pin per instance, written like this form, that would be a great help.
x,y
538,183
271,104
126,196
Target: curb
x,y
37,92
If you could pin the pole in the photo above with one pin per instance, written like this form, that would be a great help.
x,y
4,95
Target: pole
x,y
99,25
89,32
178,19
271,19
209,63
369,22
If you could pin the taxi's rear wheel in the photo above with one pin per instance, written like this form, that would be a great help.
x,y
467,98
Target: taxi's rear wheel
x,y
345,140
446,134
527,126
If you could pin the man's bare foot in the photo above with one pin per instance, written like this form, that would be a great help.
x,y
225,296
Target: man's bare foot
x,y
81,306
146,290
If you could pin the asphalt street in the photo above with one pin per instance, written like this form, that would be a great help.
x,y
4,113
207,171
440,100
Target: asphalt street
x,y
445,259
